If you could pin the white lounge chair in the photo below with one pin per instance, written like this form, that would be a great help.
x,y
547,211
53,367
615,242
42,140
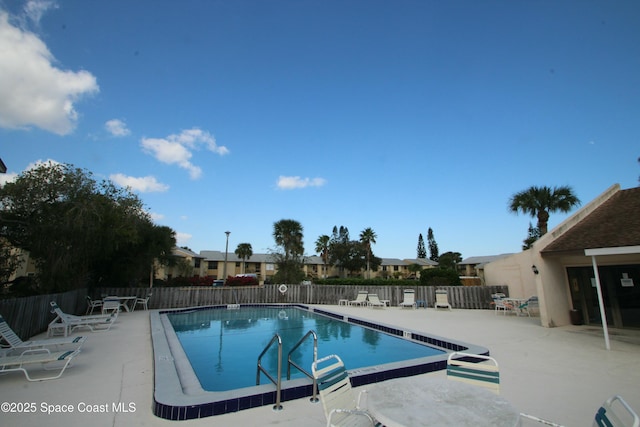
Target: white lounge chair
x,y
486,375
442,299
374,301
409,299
67,323
338,400
48,361
16,343
361,299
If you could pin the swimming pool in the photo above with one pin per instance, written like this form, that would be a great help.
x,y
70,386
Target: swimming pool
x,y
180,395
223,345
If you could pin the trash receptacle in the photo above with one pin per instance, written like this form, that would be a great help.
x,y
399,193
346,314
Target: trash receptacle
x,y
576,317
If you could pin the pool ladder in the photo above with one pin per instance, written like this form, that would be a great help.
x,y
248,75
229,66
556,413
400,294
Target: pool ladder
x,y
278,381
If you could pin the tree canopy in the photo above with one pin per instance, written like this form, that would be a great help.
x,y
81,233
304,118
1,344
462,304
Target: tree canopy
x,y
80,232
541,201
289,255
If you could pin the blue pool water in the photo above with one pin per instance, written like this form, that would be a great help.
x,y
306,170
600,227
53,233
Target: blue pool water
x,y
223,345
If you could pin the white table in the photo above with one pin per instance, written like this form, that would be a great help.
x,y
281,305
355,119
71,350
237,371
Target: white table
x,y
123,302
419,401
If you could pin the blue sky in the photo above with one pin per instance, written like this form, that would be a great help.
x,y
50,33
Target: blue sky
x,y
399,116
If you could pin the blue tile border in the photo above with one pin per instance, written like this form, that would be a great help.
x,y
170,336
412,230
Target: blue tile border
x,y
171,402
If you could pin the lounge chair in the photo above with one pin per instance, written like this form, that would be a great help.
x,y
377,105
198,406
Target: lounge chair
x,y
487,375
19,363
442,299
92,304
16,343
615,412
409,299
67,323
374,301
338,400
361,299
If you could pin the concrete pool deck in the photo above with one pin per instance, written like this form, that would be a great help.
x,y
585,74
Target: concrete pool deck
x,y
561,374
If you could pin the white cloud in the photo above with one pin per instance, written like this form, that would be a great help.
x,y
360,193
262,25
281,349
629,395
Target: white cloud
x,y
145,184
32,91
182,239
117,127
156,216
293,182
7,177
35,9
178,149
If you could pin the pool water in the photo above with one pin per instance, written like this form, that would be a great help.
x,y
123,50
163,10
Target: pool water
x,y
223,345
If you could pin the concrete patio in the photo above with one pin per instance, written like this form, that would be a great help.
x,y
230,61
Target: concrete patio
x,y
560,374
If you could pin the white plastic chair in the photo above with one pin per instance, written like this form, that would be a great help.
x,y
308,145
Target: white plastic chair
x,y
361,299
442,299
144,302
409,299
486,375
615,412
338,399
374,301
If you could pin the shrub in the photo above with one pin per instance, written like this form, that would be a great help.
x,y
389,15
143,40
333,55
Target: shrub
x,y
242,281
439,277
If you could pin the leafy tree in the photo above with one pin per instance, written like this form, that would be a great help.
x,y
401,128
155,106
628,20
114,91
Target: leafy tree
x,y
449,260
541,201
414,268
433,246
439,277
288,236
80,231
533,235
367,237
422,251
322,248
244,251
9,261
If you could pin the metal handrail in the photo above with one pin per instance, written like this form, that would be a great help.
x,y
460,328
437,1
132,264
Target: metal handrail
x,y
278,382
290,362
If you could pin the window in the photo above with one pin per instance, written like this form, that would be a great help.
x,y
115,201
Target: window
x,y
196,262
212,265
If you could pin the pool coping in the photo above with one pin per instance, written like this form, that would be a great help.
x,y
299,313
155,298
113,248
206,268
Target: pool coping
x,y
178,396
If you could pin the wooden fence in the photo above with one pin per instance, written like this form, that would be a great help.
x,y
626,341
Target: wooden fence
x,y
30,316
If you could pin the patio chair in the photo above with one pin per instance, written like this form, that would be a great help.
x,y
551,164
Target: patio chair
x,y
442,299
144,302
374,301
67,323
338,400
500,304
361,299
19,363
111,305
525,308
15,342
487,375
409,299
615,412
92,304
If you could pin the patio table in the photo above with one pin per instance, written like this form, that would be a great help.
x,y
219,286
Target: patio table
x,y
419,401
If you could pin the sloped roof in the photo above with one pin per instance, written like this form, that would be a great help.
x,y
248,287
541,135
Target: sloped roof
x,y
473,260
613,224
424,262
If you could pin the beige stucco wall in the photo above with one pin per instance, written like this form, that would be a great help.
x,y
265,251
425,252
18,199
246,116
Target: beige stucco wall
x,y
551,284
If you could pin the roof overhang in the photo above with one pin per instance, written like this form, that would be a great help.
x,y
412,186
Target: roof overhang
x,y
620,250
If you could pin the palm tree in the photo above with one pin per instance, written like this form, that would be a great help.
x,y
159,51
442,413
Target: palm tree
x,y
322,248
287,234
244,251
367,237
540,201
